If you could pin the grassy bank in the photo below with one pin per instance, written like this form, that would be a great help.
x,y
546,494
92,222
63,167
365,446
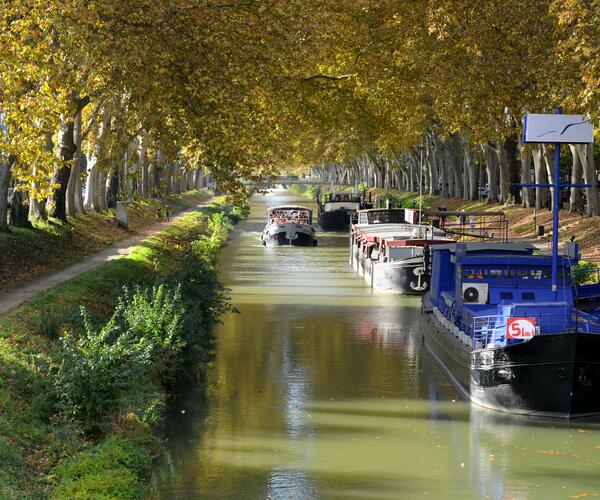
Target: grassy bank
x,y
82,393
50,245
305,190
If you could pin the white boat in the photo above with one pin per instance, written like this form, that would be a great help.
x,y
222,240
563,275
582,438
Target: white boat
x,y
289,225
392,253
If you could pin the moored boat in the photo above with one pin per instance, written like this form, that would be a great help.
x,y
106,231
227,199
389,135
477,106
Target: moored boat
x,y
289,225
336,209
506,338
390,252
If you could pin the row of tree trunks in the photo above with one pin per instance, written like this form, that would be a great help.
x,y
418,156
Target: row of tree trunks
x,y
450,168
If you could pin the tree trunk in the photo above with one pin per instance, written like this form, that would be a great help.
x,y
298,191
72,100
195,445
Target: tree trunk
x,y
528,199
473,173
5,176
19,209
541,177
548,156
575,198
176,178
37,208
511,146
431,166
491,168
75,174
66,145
143,165
586,155
504,169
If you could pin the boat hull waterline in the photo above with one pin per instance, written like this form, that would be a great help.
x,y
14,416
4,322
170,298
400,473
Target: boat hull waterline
x,y
550,375
289,234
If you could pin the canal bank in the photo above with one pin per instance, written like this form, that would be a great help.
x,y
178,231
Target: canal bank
x,y
86,366
322,389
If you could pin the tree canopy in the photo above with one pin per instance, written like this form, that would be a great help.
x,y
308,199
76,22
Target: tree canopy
x,y
242,89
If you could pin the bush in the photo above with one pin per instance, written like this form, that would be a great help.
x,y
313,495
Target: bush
x,y
104,371
219,225
585,273
113,469
204,299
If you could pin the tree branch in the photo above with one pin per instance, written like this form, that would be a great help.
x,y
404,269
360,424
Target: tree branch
x,y
326,77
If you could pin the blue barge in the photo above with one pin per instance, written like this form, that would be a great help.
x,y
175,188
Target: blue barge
x,y
507,338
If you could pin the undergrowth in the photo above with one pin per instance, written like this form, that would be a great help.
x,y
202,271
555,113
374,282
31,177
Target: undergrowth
x,y
86,368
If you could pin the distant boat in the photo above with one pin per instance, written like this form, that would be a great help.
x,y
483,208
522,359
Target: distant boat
x,y
289,225
391,252
494,324
336,209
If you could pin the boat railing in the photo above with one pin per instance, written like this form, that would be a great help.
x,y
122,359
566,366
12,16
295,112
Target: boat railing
x,y
471,226
491,331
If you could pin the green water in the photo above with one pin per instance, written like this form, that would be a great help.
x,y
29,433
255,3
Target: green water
x,y
322,389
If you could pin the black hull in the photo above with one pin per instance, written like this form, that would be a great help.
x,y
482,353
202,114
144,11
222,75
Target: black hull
x,y
550,375
280,239
335,220
402,278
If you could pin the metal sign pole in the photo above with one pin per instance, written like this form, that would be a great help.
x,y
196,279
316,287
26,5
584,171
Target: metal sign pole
x,y
556,129
421,186
555,209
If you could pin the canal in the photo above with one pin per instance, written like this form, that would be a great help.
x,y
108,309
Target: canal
x,y
322,389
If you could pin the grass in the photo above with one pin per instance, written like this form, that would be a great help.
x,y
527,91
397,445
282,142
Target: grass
x,y
50,245
41,456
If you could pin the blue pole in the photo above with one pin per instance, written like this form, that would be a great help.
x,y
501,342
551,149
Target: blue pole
x,y
555,208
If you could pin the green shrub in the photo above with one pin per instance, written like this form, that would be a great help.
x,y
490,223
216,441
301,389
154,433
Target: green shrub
x,y
585,273
104,371
219,225
237,212
204,299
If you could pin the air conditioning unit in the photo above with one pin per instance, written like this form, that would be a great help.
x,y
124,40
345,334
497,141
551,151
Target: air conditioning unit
x,y
475,293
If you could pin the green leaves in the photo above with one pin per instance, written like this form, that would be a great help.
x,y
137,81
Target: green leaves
x,y
103,369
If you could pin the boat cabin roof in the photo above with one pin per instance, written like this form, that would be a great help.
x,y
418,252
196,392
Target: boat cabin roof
x,y
488,248
288,207
369,210
399,234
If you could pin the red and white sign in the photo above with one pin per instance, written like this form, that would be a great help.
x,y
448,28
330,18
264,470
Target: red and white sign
x,y
520,328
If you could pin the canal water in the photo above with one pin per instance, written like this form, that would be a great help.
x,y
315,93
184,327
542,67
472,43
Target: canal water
x,y
322,389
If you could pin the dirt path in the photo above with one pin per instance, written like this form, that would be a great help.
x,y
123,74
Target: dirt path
x,y
17,296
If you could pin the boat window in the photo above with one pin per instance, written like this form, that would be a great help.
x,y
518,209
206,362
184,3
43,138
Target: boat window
x,y
506,296
509,273
528,296
524,274
495,273
536,274
548,274
469,274
481,273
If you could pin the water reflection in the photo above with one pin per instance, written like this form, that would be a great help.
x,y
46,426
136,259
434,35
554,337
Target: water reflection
x,y
321,389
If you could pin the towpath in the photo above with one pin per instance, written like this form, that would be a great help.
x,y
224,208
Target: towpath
x,y
27,291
